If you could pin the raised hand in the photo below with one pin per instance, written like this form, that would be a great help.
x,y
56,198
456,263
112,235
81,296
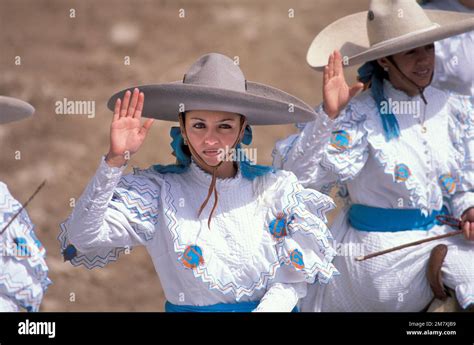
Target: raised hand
x,y
127,134
336,92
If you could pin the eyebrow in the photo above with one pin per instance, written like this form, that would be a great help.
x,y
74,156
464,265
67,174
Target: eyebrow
x,y
199,119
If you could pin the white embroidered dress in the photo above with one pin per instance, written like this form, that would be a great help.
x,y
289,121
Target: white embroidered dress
x,y
23,269
237,260
418,170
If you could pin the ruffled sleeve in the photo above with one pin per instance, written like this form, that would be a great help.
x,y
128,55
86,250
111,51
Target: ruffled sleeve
x,y
297,222
325,151
113,214
461,129
23,269
302,244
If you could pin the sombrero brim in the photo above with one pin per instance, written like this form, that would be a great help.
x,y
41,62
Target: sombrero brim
x,y
261,104
13,109
349,35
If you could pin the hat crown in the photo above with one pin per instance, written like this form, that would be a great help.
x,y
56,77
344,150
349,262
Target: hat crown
x,y
216,70
388,19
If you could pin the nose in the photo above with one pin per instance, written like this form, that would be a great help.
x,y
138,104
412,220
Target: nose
x,y
423,56
210,138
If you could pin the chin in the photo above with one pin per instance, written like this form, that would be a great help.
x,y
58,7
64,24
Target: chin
x,y
211,161
422,82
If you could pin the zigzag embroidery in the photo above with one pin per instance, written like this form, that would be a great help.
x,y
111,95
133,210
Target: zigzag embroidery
x,y
24,296
81,259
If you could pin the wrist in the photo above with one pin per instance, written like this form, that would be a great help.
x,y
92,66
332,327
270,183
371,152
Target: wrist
x,y
115,161
331,115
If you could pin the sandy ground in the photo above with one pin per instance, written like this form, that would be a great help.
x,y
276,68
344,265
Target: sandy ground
x,y
82,58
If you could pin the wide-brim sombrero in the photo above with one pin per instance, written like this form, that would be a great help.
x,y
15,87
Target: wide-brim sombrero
x,y
14,109
215,83
388,27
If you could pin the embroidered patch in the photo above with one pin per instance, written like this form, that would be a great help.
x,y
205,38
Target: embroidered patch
x,y
278,227
341,140
22,248
402,172
448,182
296,258
192,257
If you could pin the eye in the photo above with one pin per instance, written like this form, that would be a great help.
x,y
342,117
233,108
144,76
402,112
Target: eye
x,y
199,125
225,126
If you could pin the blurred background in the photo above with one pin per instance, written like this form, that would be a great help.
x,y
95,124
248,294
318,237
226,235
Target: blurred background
x,y
86,50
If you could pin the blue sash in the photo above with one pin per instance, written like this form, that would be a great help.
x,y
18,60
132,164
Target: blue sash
x,y
366,218
241,307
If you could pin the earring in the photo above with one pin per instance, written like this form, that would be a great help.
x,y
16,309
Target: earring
x,y
185,142
385,68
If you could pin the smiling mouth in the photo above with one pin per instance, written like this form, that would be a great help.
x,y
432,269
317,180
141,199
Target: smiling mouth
x,y
423,73
212,152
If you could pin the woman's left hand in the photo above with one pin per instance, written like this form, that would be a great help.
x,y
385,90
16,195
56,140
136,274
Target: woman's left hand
x,y
468,224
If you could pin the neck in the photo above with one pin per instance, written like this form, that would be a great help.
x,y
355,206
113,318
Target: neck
x,y
410,91
225,170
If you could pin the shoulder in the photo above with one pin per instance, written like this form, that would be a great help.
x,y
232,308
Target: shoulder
x,y
143,182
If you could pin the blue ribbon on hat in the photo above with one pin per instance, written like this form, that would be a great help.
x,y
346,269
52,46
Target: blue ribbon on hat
x,y
373,72
183,159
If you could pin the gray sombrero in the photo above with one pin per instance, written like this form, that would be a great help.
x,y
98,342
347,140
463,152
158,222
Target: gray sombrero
x,y
387,28
215,83
13,109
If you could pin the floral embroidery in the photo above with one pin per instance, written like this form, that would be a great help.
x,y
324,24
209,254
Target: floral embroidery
x,y
192,257
448,182
340,140
402,172
296,258
279,226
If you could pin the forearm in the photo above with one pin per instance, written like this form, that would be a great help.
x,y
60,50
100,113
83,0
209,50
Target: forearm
x,y
86,222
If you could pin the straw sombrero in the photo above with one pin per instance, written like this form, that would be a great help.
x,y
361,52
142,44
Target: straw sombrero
x,y
13,109
387,28
215,83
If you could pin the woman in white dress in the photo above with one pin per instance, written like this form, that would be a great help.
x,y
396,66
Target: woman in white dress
x,y
398,151
23,270
254,247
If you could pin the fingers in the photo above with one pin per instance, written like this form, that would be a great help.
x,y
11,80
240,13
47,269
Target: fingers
x,y
337,63
146,126
138,111
133,103
468,230
126,101
331,66
355,89
117,109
